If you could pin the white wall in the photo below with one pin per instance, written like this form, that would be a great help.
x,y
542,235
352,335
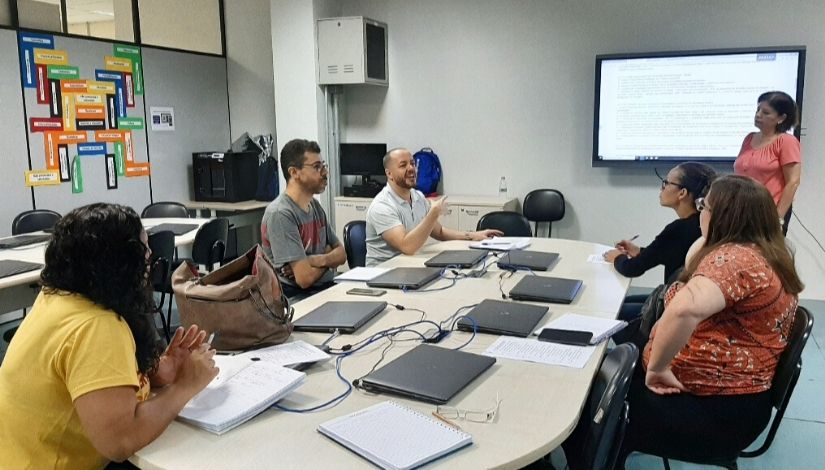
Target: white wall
x,y
505,88
249,67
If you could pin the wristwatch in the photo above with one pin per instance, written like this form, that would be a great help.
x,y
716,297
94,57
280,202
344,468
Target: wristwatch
x,y
467,236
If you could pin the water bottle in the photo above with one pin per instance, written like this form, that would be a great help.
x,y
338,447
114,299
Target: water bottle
x,y
502,187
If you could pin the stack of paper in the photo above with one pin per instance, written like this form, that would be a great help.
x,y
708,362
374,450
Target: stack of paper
x,y
240,393
393,436
533,350
502,243
602,328
360,274
294,352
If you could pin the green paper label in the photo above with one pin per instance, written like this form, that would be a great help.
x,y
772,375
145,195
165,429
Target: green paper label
x,y
132,52
77,176
119,158
130,123
63,72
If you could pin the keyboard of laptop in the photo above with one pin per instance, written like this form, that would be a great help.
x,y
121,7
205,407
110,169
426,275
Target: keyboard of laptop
x,y
23,240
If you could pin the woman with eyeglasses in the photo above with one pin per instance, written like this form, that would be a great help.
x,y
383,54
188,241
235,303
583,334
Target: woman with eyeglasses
x,y
680,188
772,156
703,386
75,382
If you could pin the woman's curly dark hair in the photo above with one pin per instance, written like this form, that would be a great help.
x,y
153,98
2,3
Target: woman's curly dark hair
x,y
96,251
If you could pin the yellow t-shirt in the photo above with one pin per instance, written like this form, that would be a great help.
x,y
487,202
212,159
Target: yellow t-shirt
x,y
66,347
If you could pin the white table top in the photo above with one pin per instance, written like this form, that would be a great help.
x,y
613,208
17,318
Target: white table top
x,y
36,253
540,403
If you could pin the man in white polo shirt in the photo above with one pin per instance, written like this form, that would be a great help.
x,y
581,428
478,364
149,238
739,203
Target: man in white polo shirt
x,y
400,219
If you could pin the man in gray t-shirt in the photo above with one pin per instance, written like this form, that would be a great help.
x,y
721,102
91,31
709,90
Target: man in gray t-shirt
x,y
295,231
400,219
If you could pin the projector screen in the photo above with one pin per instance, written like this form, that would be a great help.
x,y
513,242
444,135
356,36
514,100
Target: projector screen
x,y
687,105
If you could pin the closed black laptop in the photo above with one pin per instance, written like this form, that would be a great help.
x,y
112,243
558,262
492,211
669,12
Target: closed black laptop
x,y
405,278
345,316
177,229
503,318
525,259
11,267
23,240
428,373
457,258
546,289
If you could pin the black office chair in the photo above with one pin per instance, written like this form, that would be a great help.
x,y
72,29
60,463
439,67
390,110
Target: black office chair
x,y
544,205
162,245
512,224
355,243
34,221
208,249
165,210
598,436
787,374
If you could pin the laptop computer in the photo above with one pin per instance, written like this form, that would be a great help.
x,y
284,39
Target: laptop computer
x,y
23,240
177,229
456,258
428,373
525,259
11,267
503,318
344,316
546,289
405,278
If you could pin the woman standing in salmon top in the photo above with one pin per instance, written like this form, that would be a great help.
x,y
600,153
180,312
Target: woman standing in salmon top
x,y
772,156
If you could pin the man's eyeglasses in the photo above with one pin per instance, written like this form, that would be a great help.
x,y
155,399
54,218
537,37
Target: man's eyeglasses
x,y
702,204
665,182
317,166
475,416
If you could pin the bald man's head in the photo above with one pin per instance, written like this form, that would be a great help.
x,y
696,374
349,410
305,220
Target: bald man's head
x,y
399,167
394,154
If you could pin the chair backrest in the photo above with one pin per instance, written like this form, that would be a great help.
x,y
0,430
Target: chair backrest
x,y
789,361
210,242
512,224
165,209
595,442
355,243
544,205
162,245
33,221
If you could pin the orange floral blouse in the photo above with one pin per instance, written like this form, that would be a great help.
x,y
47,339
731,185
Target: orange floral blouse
x,y
735,351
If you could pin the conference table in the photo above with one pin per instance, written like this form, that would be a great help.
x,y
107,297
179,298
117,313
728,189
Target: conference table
x,y
540,404
19,291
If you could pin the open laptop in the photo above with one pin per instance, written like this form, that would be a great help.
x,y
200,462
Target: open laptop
x,y
546,289
503,318
524,259
11,267
405,278
177,229
344,316
428,373
23,240
456,258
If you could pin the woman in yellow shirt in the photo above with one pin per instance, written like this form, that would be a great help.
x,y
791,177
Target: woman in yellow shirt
x,y
74,385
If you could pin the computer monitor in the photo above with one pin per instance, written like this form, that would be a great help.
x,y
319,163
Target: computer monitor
x,y
362,159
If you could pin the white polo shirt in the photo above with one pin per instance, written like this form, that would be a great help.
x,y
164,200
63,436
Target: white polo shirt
x,y
389,210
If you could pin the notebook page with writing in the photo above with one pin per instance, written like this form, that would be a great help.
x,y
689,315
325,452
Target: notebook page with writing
x,y
395,437
219,408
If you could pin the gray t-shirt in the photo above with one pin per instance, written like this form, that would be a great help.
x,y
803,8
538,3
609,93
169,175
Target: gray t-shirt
x,y
389,210
288,233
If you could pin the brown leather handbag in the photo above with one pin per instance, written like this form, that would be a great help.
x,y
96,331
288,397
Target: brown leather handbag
x,y
240,302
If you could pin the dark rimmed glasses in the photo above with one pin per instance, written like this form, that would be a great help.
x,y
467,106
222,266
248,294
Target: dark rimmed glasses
x,y
665,182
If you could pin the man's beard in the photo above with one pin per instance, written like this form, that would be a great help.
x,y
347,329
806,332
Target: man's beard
x,y
402,182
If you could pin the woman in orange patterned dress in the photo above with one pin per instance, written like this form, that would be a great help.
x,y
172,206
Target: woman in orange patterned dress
x,y
703,386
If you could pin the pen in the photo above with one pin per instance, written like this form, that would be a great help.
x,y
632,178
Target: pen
x,y
211,338
445,420
633,237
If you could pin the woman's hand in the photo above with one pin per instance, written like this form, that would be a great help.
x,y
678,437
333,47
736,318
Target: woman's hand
x,y
182,344
611,255
197,370
627,247
664,382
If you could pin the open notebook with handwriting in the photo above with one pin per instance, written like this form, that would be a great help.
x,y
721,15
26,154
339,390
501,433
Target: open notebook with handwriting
x,y
393,436
242,389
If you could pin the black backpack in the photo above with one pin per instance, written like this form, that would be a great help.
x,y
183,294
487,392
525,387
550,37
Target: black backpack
x,y
268,185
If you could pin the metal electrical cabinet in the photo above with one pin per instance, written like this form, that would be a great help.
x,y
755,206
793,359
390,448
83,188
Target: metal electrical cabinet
x,y
351,50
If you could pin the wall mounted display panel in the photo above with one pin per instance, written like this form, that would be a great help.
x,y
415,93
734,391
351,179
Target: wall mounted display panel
x,y
13,156
85,121
195,87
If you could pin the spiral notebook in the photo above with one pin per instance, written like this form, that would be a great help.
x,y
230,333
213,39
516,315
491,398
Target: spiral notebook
x,y
393,436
